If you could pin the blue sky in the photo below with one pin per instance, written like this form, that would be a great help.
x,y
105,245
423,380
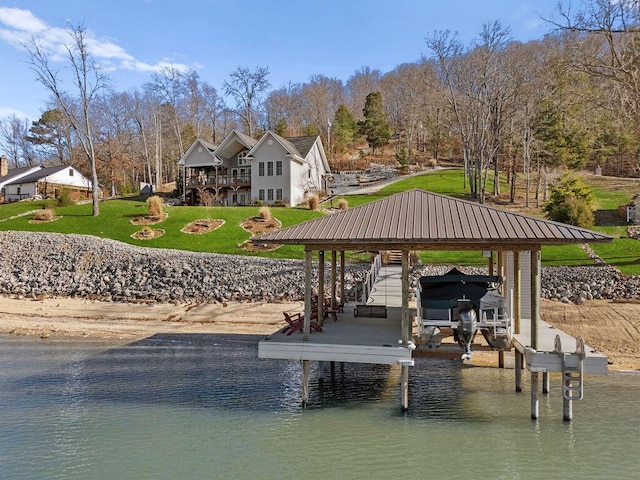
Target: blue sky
x,y
294,39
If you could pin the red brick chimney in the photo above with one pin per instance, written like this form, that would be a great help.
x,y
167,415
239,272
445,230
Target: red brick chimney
x,y
4,165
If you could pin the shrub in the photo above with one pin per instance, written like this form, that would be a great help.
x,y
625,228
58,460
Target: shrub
x,y
64,198
259,203
314,202
265,213
570,202
45,214
155,206
343,204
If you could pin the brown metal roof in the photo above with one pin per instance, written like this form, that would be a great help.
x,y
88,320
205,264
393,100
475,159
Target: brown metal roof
x,y
422,220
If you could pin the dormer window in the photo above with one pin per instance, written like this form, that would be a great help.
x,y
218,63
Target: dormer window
x,y
242,158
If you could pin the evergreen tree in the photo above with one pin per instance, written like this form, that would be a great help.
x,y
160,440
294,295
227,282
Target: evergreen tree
x,y
571,202
374,127
344,129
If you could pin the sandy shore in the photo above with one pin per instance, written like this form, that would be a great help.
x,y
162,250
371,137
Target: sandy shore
x,y
612,328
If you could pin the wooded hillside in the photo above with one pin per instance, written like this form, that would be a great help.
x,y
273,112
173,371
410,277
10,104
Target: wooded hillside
x,y
568,101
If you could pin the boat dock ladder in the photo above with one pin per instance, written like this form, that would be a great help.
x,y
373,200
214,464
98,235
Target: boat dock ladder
x,y
572,369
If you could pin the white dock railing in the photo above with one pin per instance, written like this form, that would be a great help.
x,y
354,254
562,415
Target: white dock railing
x,y
370,278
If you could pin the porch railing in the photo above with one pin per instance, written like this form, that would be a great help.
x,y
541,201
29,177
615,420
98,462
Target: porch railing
x,y
221,180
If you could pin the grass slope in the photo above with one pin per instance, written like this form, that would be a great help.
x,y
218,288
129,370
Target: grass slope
x,y
115,215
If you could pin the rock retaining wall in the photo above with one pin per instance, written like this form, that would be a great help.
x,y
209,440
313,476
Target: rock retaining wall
x,y
34,264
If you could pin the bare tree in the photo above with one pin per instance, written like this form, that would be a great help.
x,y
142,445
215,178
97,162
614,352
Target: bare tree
x,y
246,87
170,86
87,80
13,137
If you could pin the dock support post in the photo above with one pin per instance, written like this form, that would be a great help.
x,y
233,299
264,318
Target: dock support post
x,y
342,299
517,291
321,287
567,409
545,382
305,383
333,279
405,388
405,321
306,328
535,297
518,370
534,396
500,358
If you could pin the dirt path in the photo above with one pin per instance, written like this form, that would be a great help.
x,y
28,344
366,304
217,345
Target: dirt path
x,y
610,327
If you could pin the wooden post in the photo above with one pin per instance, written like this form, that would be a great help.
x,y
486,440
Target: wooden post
x,y
545,382
342,299
535,297
491,263
534,396
305,383
306,328
406,322
333,279
500,358
567,409
321,287
518,370
517,290
405,388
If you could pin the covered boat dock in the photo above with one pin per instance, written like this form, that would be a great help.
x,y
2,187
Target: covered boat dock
x,y
418,220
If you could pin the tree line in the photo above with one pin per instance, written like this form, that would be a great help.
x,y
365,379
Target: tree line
x,y
520,110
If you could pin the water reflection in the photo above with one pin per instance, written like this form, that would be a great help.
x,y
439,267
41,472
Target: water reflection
x,y
206,407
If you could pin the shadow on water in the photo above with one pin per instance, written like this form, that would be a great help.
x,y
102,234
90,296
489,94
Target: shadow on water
x,y
208,371
223,371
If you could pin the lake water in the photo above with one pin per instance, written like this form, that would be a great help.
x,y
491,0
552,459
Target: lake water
x,y
178,407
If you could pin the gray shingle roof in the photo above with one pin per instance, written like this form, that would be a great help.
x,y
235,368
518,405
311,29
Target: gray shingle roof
x,y
42,173
302,144
418,219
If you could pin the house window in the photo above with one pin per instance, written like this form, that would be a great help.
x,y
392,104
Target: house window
x,y
71,172
261,194
278,194
234,199
270,195
241,158
279,167
270,169
261,169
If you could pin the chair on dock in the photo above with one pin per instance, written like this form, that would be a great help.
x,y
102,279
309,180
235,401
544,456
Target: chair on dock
x,y
296,323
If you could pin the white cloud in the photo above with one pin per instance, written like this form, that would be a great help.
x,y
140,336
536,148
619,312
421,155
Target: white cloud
x,y
23,20
7,112
21,26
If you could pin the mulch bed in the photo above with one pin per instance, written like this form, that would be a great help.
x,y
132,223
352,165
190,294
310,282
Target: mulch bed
x,y
148,219
198,227
258,226
147,234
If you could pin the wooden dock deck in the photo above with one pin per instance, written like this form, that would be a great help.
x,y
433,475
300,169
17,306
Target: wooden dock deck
x,y
349,339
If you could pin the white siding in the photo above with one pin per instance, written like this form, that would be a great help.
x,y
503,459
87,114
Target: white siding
x,y
64,177
270,153
525,283
27,190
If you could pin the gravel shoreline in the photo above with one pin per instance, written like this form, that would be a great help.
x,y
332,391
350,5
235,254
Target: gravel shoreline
x,y
37,264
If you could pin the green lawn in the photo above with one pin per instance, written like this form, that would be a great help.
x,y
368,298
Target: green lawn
x,y
115,215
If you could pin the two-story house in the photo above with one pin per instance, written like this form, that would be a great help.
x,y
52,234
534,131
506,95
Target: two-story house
x,y
242,170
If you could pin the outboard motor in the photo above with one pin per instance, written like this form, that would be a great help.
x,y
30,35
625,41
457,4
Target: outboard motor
x,y
467,326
